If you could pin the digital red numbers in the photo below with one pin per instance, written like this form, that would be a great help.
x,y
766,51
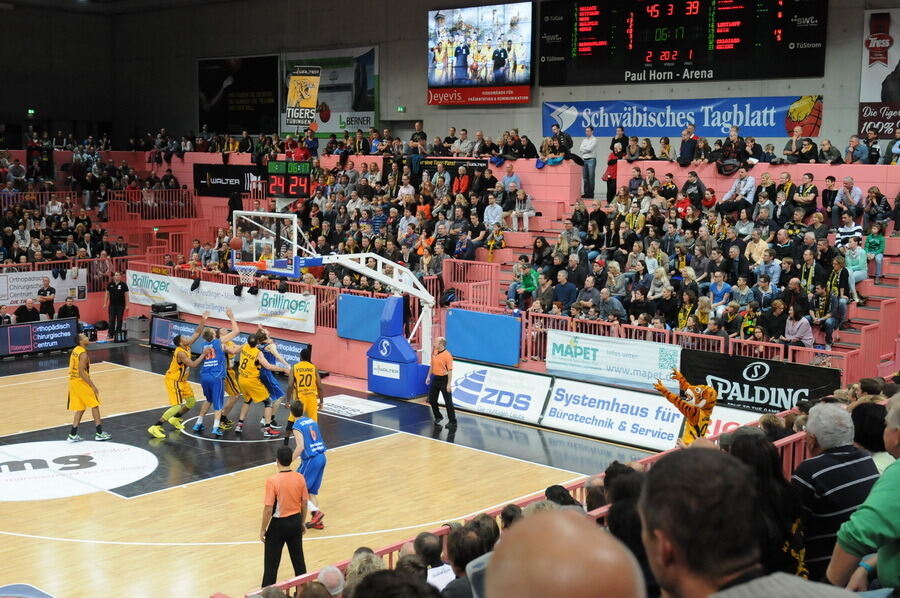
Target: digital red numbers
x,y
276,184
691,8
298,185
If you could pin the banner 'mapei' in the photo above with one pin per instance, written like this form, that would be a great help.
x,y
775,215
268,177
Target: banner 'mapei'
x,y
609,360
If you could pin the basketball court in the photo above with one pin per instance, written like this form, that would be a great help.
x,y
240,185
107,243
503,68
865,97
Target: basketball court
x,y
135,516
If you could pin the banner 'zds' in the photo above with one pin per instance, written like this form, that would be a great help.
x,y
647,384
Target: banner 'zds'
x,y
303,96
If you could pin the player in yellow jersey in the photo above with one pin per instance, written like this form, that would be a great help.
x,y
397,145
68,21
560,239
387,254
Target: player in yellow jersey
x,y
254,391
304,385
82,391
232,389
181,395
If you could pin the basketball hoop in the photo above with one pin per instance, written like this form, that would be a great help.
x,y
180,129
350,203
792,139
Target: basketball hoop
x,y
247,272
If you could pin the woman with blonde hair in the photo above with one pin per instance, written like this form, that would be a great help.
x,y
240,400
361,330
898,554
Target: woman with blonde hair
x,y
615,280
704,311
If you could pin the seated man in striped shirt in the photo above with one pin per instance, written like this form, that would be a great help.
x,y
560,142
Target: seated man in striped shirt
x,y
832,483
848,230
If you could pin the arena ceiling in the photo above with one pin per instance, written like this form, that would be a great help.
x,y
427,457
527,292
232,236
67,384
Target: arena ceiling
x,y
108,7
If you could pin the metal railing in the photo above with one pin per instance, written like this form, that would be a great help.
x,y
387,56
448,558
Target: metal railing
x,y
99,270
151,204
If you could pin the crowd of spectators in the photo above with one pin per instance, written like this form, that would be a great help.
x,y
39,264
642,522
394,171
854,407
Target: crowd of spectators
x,y
57,233
755,263
721,518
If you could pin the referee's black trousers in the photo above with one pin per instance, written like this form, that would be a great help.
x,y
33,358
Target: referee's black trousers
x,y
116,313
283,530
439,386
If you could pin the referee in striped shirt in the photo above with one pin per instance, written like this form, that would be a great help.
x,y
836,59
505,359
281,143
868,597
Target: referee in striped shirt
x,y
284,511
832,483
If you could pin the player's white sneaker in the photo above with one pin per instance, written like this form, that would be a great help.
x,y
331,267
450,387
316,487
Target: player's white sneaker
x,y
74,438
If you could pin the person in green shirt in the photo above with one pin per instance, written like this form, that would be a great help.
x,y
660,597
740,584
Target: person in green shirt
x,y
874,527
526,282
875,248
857,265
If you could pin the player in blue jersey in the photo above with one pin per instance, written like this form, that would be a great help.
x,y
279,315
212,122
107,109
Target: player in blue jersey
x,y
267,377
311,450
212,373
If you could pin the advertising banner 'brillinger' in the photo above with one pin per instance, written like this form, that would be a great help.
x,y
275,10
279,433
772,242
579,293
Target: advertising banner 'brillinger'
x,y
879,81
269,308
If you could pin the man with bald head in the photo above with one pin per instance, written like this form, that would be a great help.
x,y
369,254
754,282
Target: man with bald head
x,y
701,535
562,553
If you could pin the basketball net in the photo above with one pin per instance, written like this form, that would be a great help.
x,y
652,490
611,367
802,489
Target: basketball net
x,y
247,272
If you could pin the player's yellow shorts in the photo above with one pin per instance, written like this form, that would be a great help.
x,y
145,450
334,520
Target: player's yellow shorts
x,y
231,383
179,391
81,396
310,408
253,389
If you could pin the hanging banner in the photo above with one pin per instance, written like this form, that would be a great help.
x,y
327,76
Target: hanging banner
x,y
609,360
760,117
303,96
347,89
758,385
223,180
879,82
17,287
238,94
269,308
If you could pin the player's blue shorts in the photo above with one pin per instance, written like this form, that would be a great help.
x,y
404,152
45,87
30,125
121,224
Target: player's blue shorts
x,y
214,391
313,470
267,377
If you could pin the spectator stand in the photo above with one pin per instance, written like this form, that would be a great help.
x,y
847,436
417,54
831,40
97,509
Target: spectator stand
x,y
792,451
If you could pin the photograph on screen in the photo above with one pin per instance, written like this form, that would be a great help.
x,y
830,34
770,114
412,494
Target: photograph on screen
x,y
480,46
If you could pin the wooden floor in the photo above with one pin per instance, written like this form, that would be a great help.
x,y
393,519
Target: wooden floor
x,y
194,539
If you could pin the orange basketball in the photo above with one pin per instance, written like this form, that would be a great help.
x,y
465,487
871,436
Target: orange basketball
x,y
236,243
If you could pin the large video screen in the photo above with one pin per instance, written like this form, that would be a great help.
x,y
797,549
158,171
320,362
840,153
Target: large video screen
x,y
35,337
626,41
480,46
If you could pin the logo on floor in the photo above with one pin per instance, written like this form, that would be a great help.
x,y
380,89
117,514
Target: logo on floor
x,y
59,469
352,406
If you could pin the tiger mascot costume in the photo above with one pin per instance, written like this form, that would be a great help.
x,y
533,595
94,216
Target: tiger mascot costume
x,y
696,406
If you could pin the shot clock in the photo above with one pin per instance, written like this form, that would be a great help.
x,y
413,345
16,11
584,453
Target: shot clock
x,y
650,41
289,179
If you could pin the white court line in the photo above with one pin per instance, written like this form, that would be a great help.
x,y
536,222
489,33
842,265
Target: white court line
x,y
105,417
307,538
459,445
233,473
52,377
189,429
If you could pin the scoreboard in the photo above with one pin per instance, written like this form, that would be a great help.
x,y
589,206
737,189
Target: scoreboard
x,y
289,179
650,41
